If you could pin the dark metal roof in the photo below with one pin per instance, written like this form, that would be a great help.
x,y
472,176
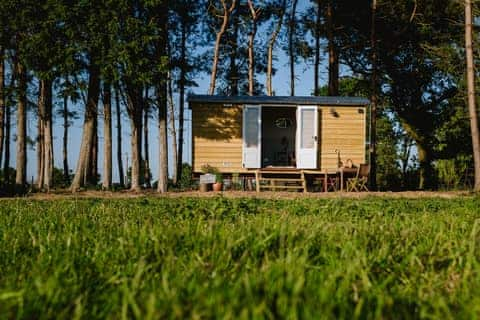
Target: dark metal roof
x,y
279,100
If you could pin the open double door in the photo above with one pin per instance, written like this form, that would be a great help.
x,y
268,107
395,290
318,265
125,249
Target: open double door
x,y
306,140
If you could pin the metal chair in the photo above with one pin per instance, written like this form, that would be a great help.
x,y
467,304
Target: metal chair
x,y
359,183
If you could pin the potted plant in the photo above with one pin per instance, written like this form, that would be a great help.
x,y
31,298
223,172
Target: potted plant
x,y
217,186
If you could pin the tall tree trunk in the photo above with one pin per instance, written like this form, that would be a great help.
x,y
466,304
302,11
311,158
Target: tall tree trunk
x,y
45,143
271,44
84,157
471,93
146,146
162,138
426,168
21,159
318,25
181,102
2,101
291,45
107,132
119,137
333,66
216,51
8,126
233,67
66,125
135,112
173,132
40,137
251,41
92,172
373,106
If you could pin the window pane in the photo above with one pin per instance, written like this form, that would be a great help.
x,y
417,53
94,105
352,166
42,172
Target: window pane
x,y
308,128
251,127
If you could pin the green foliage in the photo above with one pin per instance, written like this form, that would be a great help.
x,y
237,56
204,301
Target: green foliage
x,y
388,171
59,179
454,173
240,258
206,168
186,180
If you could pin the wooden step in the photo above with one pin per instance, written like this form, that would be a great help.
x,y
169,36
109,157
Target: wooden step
x,y
280,187
281,179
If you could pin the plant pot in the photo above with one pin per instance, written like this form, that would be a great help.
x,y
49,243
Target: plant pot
x,y
203,187
217,186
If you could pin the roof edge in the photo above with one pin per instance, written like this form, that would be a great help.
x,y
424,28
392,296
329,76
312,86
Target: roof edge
x,y
280,100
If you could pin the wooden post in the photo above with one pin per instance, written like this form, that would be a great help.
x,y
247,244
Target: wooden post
x,y
257,180
304,181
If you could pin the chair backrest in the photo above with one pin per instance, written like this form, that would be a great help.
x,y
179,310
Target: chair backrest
x,y
363,170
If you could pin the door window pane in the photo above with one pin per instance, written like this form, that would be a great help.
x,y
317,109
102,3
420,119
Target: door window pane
x,y
251,127
307,131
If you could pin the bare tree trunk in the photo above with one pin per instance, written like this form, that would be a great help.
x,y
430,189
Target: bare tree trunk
x,y
8,126
173,132
135,112
333,66
84,157
233,67
271,44
181,103
92,172
2,101
291,46
21,162
318,22
146,146
216,51
162,139
119,137
107,132
66,125
46,93
40,136
251,40
373,116
471,93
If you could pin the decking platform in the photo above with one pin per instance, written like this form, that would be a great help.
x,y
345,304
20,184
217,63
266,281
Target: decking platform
x,y
287,178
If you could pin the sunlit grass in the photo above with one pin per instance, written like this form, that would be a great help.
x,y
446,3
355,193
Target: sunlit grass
x,y
240,258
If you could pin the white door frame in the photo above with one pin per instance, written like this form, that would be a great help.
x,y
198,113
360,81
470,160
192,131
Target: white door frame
x,y
307,158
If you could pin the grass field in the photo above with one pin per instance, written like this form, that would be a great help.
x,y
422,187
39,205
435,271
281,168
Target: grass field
x,y
240,258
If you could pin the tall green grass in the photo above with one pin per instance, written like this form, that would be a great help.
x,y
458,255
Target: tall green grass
x,y
240,258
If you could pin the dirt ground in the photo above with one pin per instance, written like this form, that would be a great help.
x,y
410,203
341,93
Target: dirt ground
x,y
58,195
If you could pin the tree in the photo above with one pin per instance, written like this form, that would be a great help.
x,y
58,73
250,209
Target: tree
x,y
107,136
292,22
86,22
280,13
184,24
161,77
118,115
373,101
21,159
333,64
225,15
2,100
255,13
471,93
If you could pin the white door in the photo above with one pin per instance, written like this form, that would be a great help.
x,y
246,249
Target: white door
x,y
307,137
252,136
